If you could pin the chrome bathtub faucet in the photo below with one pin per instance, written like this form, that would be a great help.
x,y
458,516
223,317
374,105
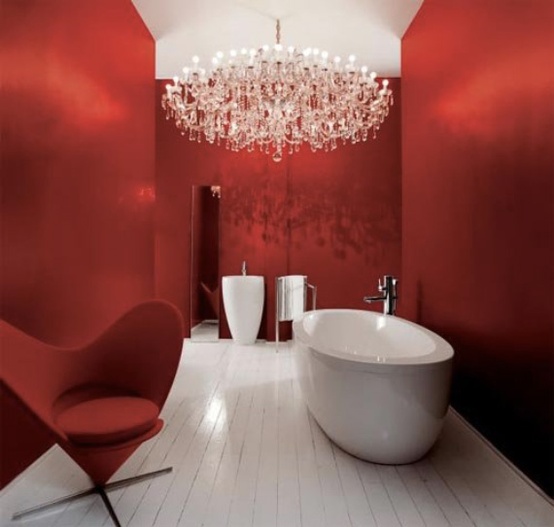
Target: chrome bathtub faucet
x,y
389,296
243,268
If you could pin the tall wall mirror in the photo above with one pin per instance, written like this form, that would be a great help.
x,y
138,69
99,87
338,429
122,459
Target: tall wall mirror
x,y
204,270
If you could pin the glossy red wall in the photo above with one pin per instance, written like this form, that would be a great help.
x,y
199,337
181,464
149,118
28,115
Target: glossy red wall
x,y
77,115
477,198
333,216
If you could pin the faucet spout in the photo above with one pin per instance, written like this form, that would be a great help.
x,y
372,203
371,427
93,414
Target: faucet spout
x,y
243,268
371,299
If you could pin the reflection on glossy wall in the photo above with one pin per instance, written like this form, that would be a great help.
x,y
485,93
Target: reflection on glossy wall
x,y
477,204
333,216
77,177
204,275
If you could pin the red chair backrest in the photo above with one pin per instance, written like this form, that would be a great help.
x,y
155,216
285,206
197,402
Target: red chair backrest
x,y
140,353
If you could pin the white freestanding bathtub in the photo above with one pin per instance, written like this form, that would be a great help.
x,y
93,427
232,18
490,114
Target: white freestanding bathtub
x,y
378,385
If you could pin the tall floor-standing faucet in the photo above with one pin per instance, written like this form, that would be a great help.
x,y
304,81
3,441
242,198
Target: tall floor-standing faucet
x,y
389,296
243,268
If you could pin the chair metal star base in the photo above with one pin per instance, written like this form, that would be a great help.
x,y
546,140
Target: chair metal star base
x,y
99,489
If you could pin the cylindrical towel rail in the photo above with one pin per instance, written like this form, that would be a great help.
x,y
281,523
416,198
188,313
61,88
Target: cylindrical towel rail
x,y
290,299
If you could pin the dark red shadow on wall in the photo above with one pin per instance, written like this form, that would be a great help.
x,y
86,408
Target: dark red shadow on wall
x,y
77,177
478,229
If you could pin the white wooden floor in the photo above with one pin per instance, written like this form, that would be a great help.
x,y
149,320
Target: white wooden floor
x,y
246,452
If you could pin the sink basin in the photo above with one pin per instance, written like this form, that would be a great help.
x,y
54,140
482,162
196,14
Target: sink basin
x,y
243,300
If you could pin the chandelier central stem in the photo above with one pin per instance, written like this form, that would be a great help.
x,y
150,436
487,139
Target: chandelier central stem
x,y
278,32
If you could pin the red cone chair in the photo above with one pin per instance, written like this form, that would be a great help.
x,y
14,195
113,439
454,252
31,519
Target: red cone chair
x,y
101,401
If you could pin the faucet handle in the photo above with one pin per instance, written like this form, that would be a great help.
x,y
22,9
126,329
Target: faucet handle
x,y
395,288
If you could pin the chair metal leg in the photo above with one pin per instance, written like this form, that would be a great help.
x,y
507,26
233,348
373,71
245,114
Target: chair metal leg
x,y
101,490
137,479
53,503
108,505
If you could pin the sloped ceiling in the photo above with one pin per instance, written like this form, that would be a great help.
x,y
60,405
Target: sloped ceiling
x,y
369,29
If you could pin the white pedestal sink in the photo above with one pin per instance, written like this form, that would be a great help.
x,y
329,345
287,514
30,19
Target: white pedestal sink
x,y
243,300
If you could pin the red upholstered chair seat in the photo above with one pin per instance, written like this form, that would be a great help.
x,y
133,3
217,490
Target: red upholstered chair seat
x,y
108,420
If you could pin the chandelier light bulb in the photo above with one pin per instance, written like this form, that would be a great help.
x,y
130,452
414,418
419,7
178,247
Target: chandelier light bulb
x,y
264,98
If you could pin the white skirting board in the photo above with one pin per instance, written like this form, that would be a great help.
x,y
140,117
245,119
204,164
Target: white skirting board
x,y
491,448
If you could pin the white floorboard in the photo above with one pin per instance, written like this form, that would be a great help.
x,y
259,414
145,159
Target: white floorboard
x,y
246,452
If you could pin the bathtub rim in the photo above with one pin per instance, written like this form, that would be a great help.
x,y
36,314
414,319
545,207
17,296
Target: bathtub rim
x,y
443,353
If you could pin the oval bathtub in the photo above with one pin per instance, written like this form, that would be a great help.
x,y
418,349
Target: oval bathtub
x,y
378,385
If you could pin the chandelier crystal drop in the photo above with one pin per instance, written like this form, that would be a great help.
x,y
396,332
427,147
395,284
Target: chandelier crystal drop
x,y
277,98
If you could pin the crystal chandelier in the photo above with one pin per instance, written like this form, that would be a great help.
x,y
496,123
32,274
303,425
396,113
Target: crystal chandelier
x,y
276,99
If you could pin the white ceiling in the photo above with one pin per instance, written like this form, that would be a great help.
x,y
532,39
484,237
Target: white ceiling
x,y
369,29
